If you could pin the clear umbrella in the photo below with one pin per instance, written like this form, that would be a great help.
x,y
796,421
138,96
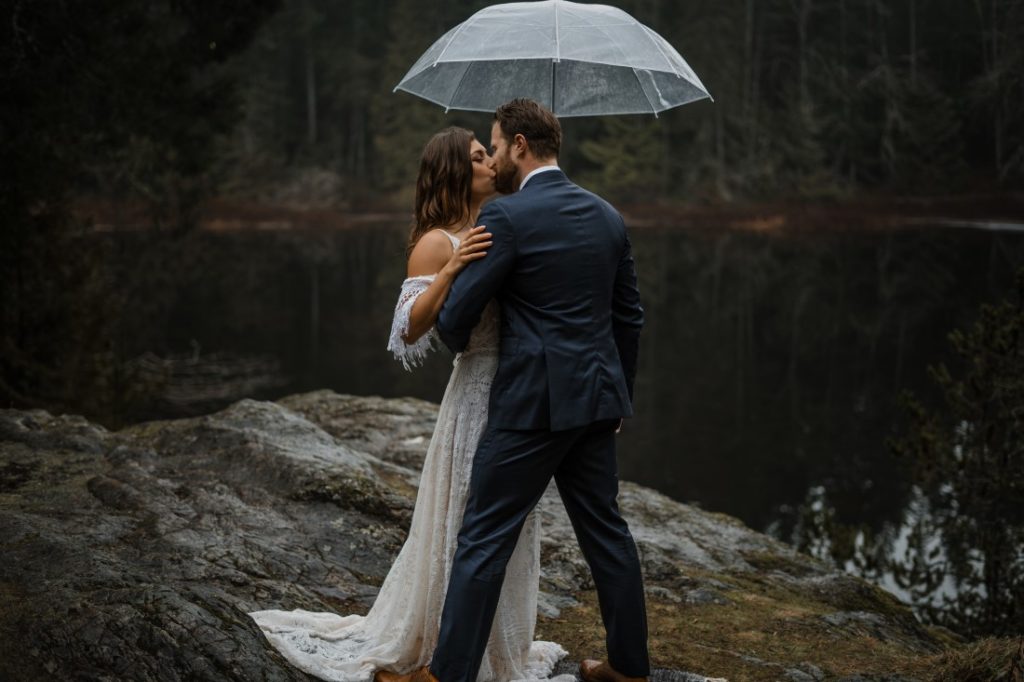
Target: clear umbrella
x,y
576,59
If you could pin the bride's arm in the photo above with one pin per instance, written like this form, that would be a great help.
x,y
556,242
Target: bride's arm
x,y
434,254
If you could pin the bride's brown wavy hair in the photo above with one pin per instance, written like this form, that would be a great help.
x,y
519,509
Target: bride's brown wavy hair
x,y
444,186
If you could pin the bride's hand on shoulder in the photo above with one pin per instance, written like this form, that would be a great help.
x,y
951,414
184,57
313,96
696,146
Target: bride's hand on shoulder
x,y
473,247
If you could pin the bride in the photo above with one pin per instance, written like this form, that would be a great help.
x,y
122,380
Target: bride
x,y
400,632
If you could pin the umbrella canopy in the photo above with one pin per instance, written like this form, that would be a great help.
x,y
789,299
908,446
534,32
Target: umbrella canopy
x,y
576,59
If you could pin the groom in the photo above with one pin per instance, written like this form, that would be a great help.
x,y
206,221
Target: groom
x,y
561,269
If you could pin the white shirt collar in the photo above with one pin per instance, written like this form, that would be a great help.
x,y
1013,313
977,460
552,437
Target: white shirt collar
x,y
534,172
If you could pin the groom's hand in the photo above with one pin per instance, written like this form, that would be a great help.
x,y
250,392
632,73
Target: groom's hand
x,y
618,429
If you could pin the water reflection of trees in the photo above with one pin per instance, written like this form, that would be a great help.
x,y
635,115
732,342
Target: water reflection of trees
x,y
778,359
958,552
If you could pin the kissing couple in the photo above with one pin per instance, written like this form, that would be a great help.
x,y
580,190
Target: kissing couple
x,y
538,297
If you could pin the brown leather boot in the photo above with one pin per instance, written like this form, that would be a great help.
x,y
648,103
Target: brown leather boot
x,y
599,671
421,675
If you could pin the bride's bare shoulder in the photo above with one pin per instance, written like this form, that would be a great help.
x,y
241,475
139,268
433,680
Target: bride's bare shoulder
x,y
430,254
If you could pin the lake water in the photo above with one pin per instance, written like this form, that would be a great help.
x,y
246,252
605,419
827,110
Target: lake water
x,y
770,363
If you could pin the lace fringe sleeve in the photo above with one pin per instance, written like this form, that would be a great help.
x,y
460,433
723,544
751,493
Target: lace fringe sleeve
x,y
411,355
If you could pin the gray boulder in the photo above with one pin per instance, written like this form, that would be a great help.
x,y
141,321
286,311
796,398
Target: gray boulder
x,y
136,554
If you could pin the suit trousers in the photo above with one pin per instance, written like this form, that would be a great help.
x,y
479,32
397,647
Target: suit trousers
x,y
511,470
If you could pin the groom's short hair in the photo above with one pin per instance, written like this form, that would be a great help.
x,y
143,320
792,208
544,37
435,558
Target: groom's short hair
x,y
539,126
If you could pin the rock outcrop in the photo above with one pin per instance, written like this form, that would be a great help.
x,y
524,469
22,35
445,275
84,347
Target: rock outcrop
x,y
135,555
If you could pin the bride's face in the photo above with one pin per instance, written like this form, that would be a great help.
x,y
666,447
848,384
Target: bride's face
x,y
483,171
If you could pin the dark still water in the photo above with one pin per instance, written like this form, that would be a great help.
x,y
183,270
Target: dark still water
x,y
770,363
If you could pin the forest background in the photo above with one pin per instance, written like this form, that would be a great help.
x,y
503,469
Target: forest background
x,y
171,102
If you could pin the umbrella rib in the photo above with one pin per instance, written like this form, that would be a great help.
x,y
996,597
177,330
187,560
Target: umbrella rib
x,y
558,56
558,46
434,100
458,87
648,32
454,36
695,80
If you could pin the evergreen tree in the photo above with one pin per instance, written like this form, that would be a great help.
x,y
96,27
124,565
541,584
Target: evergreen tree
x,y
969,465
628,157
929,149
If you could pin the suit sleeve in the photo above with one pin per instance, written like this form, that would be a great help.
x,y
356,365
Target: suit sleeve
x,y
478,283
627,315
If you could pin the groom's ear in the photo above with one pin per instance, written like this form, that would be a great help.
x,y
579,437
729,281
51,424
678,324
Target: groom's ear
x,y
520,144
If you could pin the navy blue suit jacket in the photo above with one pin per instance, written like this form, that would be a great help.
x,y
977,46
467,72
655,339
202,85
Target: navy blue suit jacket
x,y
562,270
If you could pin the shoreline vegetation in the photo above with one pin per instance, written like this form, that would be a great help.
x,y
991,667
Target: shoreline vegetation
x,y
994,210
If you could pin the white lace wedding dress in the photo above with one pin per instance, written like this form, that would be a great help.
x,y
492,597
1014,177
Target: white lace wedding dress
x,y
400,631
